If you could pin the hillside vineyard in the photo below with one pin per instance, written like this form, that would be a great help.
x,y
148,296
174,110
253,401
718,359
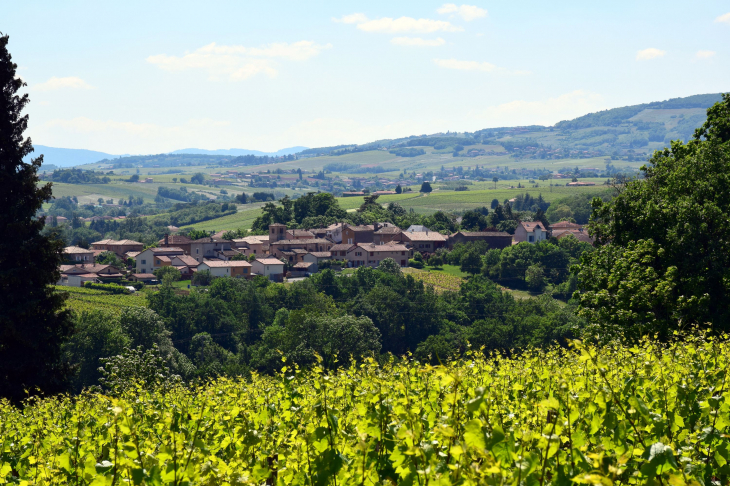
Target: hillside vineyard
x,y
648,414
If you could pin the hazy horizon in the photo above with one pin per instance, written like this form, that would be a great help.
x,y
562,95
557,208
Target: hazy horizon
x,y
139,78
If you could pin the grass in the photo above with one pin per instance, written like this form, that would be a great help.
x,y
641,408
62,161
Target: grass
x,y
440,281
453,270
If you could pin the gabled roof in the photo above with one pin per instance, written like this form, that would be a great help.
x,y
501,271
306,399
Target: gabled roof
x,y
163,258
341,247
211,239
303,265
167,250
187,260
300,232
321,254
388,230
531,226
416,228
390,247
228,264
76,249
301,242
361,228
270,261
425,236
176,240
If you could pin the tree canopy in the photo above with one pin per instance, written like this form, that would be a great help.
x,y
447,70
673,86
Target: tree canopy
x,y
664,241
33,325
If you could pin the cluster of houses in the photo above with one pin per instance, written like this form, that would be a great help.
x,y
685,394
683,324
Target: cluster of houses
x,y
289,252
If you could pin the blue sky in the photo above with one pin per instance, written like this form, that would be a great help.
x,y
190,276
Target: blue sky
x,y
152,77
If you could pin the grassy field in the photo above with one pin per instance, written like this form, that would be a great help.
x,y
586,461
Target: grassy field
x,y
440,281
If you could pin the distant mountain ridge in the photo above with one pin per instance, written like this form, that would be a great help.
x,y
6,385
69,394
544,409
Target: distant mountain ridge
x,y
54,157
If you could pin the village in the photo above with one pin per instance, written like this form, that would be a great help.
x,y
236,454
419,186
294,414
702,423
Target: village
x,y
286,253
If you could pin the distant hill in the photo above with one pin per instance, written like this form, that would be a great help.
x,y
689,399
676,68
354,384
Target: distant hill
x,y
237,152
64,157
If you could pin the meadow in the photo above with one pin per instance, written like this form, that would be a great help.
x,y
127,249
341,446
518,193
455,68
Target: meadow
x,y
644,414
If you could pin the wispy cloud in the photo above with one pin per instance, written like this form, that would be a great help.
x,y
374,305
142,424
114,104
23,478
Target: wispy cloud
x,y
238,62
398,26
704,54
650,53
724,19
485,67
466,12
417,41
71,82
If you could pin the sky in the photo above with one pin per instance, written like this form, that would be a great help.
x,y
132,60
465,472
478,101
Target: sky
x,y
141,77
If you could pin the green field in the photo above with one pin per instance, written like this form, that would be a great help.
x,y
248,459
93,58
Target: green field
x,y
649,414
81,299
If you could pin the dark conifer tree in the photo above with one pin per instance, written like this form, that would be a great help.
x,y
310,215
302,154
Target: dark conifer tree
x,y
33,325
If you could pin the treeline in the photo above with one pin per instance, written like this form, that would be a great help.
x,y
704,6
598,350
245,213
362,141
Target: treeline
x,y
407,152
78,176
181,194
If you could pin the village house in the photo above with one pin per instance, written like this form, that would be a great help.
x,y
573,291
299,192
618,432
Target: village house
x,y
386,234
339,252
252,245
423,241
371,255
353,235
176,241
219,268
78,254
78,275
186,264
119,247
289,248
268,267
531,232
564,228
495,239
298,234
153,258
315,258
334,232
208,247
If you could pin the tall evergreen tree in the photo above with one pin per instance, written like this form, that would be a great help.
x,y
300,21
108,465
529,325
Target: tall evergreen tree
x,y
33,325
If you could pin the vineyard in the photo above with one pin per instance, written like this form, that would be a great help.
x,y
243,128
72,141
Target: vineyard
x,y
82,299
649,414
439,281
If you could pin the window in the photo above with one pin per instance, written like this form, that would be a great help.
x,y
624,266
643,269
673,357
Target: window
x,y
349,241
197,250
371,253
402,253
531,238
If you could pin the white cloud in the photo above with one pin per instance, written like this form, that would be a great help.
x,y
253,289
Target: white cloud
x,y
725,18
650,53
417,41
399,25
704,54
474,66
55,83
466,12
238,62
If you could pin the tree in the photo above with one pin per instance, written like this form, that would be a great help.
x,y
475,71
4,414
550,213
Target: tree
x,y
134,178
33,326
167,272
426,187
535,278
495,203
495,179
98,335
389,265
198,178
471,262
202,277
663,255
398,189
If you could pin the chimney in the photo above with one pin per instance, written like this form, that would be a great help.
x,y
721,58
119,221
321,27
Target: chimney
x,y
167,236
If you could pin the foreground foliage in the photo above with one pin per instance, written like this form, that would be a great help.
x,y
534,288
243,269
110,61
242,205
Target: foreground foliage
x,y
649,414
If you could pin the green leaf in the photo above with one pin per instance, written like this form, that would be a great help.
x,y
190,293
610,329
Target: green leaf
x,y
474,435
